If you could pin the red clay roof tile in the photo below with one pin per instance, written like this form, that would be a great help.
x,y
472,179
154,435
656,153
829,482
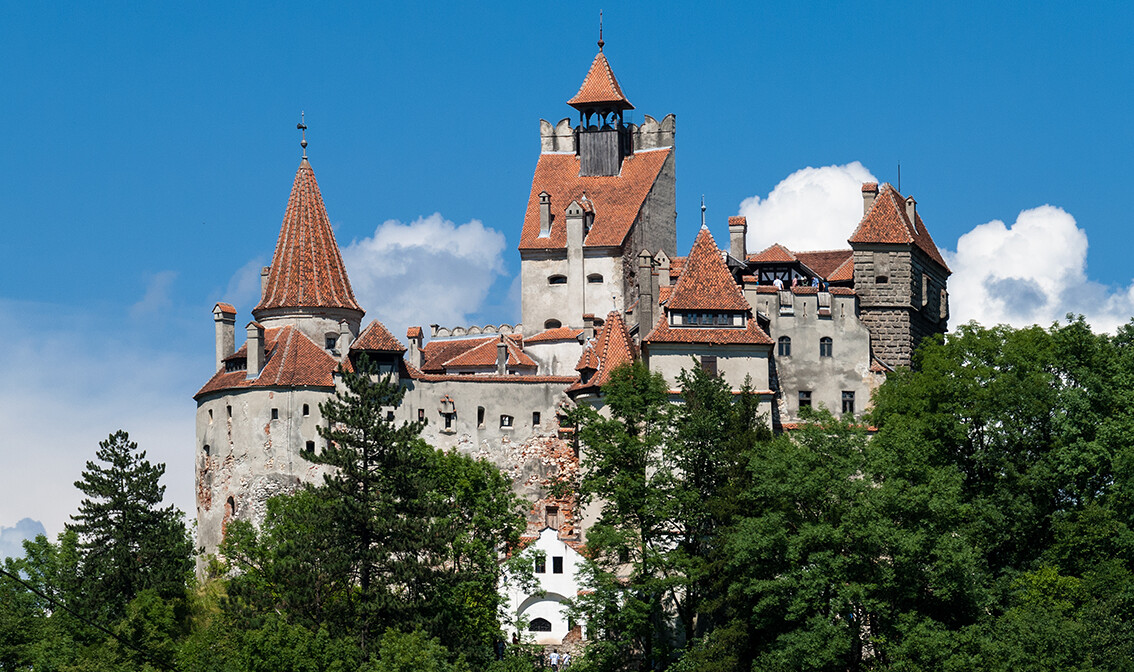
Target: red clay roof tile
x,y
887,222
226,308
377,338
600,86
484,355
413,332
617,199
307,270
824,262
705,283
292,360
613,347
775,253
558,334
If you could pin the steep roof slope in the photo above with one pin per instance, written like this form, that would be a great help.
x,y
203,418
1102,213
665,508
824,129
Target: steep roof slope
x,y
888,222
705,283
616,199
293,360
600,86
377,337
307,270
611,348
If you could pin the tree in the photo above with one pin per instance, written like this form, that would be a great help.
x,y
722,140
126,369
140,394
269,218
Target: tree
x,y
127,542
399,535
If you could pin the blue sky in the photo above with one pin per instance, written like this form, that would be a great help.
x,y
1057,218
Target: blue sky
x,y
150,147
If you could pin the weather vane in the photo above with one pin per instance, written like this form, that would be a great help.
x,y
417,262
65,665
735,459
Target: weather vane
x,y
600,42
302,127
702,211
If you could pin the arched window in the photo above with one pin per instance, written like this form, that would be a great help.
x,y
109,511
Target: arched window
x,y
785,346
306,410
557,279
825,346
594,278
599,322
552,324
539,625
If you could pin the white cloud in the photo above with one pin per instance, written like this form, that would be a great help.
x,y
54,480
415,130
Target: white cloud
x,y
244,285
1033,272
811,209
430,270
12,538
156,298
72,381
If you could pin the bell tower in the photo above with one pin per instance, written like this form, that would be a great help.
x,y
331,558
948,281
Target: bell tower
x,y
602,138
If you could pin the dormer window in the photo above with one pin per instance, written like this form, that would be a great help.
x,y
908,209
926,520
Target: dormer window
x,y
706,319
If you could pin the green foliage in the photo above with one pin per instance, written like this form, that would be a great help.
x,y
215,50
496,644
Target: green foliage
x,y
399,535
127,542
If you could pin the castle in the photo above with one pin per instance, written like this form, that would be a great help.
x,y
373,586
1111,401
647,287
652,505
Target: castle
x,y
602,284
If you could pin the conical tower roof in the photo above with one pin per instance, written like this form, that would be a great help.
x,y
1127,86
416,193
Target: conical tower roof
x,y
600,88
307,270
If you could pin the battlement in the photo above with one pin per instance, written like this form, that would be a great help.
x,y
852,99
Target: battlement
x,y
650,134
457,332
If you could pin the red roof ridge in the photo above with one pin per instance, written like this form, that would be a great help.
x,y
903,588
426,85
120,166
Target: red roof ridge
x,y
378,338
292,359
600,86
705,282
888,222
612,347
774,252
307,269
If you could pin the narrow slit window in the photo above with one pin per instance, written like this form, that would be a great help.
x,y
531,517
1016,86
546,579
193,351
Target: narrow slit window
x,y
306,410
275,414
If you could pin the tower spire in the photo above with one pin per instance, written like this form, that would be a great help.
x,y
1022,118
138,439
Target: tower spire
x,y
303,140
703,212
600,42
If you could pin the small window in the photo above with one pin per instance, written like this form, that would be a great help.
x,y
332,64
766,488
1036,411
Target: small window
x,y
599,322
709,365
539,625
551,517
825,346
207,450
480,416
804,398
310,446
210,416
330,342
924,290
552,324
228,410
306,410
785,346
449,417
505,421
557,565
623,555
882,279
230,507
389,416
421,415
535,418
557,279
275,414
541,565
594,278
848,401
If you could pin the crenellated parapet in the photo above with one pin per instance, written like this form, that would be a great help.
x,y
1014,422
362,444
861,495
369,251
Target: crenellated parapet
x,y
557,138
650,134
456,332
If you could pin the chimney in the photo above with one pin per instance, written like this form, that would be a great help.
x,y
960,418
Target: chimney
x,y
869,193
255,349
738,238
911,210
224,317
345,339
502,357
663,268
646,300
588,326
264,280
416,356
544,214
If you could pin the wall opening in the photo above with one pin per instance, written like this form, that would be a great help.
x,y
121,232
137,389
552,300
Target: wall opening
x,y
785,346
826,345
480,416
275,414
535,418
552,324
557,279
539,625
594,278
805,398
557,565
306,410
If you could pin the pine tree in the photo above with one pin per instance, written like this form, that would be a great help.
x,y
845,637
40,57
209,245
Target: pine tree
x,y
127,542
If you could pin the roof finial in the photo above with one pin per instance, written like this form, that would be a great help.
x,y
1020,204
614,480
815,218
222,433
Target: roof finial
x,y
703,212
600,42
302,127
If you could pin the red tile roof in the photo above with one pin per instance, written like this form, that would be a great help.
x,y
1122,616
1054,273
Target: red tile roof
x,y
307,270
559,334
292,360
489,378
226,308
705,283
775,253
613,347
617,199
377,338
600,86
484,355
844,273
589,358
752,334
413,332
436,353
824,262
887,222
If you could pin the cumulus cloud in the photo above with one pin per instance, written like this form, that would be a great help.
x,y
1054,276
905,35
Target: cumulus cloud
x,y
68,385
244,285
12,538
811,209
1033,272
430,270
